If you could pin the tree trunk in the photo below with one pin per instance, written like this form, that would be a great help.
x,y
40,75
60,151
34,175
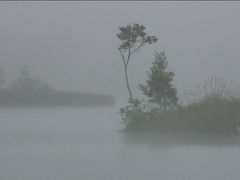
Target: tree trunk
x,y
128,87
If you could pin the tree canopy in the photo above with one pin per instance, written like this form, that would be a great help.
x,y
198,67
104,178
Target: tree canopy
x,y
159,88
133,38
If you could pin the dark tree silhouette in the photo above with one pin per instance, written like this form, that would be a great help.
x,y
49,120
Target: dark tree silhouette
x,y
133,38
159,88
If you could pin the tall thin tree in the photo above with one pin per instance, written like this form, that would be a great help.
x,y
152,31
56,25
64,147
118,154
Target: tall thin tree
x,y
133,38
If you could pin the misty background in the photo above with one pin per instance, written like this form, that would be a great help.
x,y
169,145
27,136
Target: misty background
x,y
73,45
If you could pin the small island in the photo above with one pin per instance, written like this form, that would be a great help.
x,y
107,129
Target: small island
x,y
215,110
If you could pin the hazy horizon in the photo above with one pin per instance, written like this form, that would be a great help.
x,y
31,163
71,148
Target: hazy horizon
x,y
53,134
73,45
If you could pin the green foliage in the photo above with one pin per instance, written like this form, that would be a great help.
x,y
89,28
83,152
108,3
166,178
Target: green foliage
x,y
136,110
216,112
159,89
133,38
213,115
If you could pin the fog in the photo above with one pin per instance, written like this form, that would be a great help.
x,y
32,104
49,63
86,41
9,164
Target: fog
x,y
73,45
73,143
64,85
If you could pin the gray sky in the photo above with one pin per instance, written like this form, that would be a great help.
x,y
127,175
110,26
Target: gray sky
x,y
73,45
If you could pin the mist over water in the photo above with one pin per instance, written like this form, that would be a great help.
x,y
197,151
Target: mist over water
x,y
62,86
85,143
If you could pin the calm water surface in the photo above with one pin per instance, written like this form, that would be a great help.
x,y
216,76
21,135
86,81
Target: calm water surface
x,y
85,144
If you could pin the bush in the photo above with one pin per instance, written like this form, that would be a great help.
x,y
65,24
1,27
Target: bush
x,y
217,111
135,111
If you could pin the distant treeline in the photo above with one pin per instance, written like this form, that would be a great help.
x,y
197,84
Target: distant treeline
x,y
29,91
10,97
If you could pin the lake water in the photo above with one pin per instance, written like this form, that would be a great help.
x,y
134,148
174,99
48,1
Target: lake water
x,y
85,144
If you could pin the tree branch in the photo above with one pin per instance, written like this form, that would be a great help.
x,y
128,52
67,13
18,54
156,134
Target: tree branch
x,y
137,48
128,58
122,55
